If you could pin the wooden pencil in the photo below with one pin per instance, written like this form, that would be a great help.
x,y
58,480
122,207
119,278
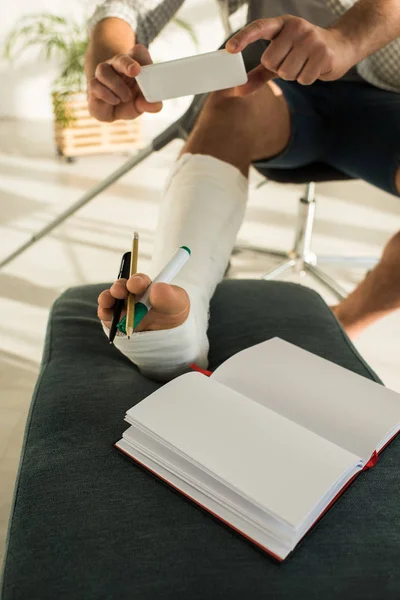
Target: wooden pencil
x,y
130,307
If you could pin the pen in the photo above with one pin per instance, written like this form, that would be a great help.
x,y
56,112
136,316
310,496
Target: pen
x,y
166,275
119,304
130,303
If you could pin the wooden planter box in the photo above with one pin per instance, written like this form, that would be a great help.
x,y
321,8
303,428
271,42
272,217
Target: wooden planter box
x,y
85,135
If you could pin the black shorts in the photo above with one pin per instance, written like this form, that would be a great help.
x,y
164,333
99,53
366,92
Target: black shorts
x,y
352,126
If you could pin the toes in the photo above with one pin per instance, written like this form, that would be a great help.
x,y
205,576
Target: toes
x,y
118,289
105,314
106,300
138,283
168,299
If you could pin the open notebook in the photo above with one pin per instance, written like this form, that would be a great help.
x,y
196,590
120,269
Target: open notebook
x,y
267,442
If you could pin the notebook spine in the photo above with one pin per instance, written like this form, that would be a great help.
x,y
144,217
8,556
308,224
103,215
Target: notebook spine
x,y
372,461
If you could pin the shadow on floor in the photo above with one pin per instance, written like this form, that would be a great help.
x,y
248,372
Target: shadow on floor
x,y
330,229
21,290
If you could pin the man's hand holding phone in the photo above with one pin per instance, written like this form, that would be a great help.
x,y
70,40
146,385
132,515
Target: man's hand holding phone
x,y
113,92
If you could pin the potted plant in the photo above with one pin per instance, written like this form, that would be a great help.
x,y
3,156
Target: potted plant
x,y
76,132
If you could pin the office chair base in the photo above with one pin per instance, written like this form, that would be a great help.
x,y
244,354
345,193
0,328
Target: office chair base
x,y
310,264
304,267
299,266
302,259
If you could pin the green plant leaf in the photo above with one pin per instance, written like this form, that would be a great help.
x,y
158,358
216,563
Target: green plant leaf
x,y
189,30
56,37
65,39
63,115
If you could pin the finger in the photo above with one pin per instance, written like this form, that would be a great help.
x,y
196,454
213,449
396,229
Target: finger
x,y
319,64
101,110
277,51
127,110
291,67
142,105
257,78
310,72
125,64
168,299
265,29
107,75
141,55
101,92
105,314
138,284
106,300
325,66
118,289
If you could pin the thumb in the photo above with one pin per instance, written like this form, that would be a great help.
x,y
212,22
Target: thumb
x,y
256,79
141,55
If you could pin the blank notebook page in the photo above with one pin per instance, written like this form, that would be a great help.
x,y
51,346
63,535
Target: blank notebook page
x,y
280,466
343,407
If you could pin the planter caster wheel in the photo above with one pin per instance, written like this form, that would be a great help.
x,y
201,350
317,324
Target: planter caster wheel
x,y
59,151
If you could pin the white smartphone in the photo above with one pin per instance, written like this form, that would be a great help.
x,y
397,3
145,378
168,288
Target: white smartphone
x,y
193,75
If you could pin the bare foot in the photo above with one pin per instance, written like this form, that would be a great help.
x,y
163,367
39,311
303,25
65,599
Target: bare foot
x,y
376,296
170,303
176,335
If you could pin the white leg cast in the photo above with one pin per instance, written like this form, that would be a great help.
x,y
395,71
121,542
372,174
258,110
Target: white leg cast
x,y
203,208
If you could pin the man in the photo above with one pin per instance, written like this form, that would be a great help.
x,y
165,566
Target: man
x,y
327,88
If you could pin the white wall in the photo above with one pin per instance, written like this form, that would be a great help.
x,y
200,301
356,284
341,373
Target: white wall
x,y
26,84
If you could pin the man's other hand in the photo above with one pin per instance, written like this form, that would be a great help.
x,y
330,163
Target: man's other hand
x,y
113,92
299,51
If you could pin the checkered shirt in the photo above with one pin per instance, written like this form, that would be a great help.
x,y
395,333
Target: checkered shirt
x,y
148,17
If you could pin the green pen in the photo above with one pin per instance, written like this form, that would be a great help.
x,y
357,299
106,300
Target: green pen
x,y
166,275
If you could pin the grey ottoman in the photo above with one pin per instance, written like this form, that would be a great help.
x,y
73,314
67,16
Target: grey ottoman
x,y
88,524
